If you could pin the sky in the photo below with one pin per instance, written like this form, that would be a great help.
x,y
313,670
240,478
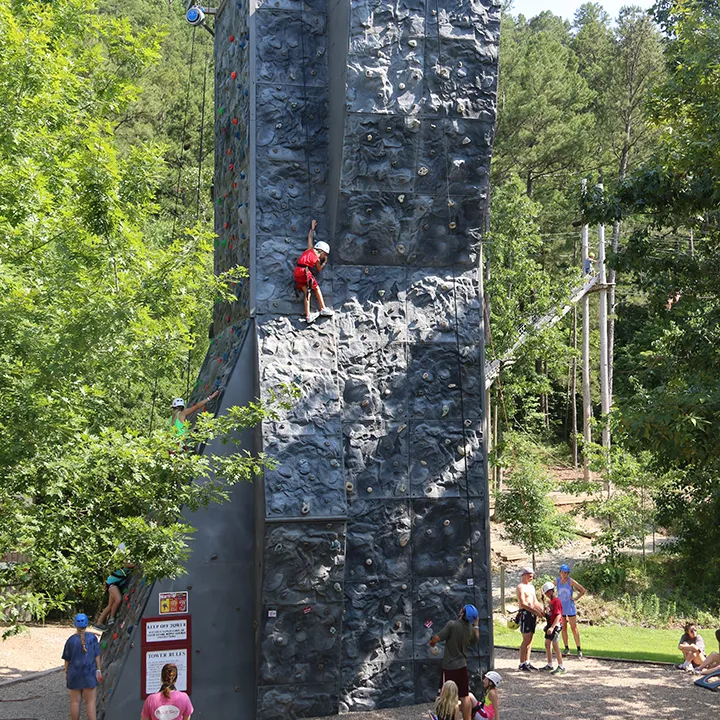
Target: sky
x,y
567,8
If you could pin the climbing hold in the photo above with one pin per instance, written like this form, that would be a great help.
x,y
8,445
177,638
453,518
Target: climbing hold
x,y
305,509
233,75
332,632
368,562
381,293
338,587
446,523
412,43
115,636
452,225
422,171
466,141
235,121
369,137
103,644
369,489
401,86
213,557
448,441
401,198
231,38
368,73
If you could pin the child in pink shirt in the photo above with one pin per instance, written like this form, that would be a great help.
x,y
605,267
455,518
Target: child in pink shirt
x,y
169,703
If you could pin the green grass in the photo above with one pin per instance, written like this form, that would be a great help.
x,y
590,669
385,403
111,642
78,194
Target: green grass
x,y
615,641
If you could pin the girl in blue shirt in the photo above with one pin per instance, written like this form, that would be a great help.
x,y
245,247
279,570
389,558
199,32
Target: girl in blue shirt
x,y
565,590
82,668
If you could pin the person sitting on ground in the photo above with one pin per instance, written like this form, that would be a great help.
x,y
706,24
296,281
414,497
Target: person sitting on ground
x,y
490,705
553,618
711,663
82,668
565,587
530,610
314,258
447,705
692,646
458,635
167,702
178,421
115,587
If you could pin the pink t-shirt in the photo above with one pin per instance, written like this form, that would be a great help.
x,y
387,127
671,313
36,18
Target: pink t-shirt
x,y
176,707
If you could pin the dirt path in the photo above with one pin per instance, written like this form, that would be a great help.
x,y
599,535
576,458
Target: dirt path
x,y
591,690
38,649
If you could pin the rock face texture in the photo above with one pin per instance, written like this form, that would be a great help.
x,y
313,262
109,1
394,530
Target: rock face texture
x,y
376,118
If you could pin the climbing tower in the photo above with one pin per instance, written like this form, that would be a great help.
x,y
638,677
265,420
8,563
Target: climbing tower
x,y
377,119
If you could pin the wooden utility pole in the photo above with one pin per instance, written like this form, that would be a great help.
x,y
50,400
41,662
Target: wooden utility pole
x,y
587,400
603,318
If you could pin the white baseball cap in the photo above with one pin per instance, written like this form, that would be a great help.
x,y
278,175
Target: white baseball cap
x,y
527,570
178,402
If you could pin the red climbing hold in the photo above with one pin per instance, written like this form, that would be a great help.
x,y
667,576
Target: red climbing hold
x,y
226,225
228,151
227,319
115,636
127,598
231,38
233,75
234,186
232,237
232,166
235,121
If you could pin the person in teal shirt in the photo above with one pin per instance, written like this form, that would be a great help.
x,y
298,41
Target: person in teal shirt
x,y
115,585
178,421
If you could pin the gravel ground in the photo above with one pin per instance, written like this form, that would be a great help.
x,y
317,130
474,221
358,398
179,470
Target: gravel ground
x,y
591,690
40,648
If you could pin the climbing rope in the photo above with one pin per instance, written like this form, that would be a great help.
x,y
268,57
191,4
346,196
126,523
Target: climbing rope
x,y
202,136
181,155
452,225
306,107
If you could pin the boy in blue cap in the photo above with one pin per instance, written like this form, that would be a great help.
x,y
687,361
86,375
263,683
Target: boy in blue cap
x,y
458,635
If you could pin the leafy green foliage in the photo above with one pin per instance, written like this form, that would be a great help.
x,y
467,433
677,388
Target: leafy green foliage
x,y
529,515
103,311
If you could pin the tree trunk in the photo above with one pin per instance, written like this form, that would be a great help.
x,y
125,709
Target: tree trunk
x,y
587,399
573,393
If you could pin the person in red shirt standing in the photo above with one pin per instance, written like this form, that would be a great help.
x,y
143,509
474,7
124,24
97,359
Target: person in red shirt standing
x,y
553,617
314,258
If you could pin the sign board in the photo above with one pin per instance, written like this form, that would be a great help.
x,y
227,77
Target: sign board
x,y
166,640
173,603
154,661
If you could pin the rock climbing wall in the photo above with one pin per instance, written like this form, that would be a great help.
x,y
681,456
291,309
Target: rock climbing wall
x,y
117,641
376,118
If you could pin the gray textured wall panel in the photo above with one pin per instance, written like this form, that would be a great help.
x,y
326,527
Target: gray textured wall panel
x,y
377,119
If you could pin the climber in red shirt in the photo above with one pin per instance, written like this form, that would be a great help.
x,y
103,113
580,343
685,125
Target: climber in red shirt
x,y
314,258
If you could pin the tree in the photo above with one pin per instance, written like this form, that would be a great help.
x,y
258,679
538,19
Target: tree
x,y
543,109
528,513
99,308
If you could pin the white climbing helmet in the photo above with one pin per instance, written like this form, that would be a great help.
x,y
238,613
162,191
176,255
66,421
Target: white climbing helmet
x,y
323,247
548,586
178,403
494,677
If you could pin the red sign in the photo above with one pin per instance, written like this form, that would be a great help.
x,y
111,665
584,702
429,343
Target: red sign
x,y
166,640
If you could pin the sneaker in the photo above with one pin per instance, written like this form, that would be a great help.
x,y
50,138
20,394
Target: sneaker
x,y
566,652
311,318
111,622
580,655
559,670
100,627
327,312
682,666
530,666
524,668
547,667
